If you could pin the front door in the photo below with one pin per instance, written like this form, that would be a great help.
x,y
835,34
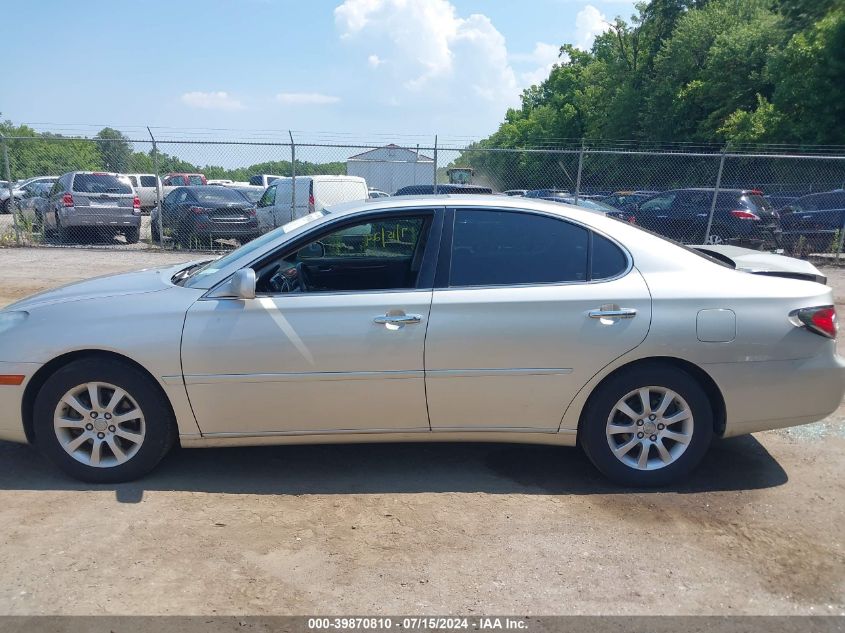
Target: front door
x,y
333,341
523,320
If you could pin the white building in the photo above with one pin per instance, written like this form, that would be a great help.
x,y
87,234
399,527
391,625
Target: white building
x,y
391,167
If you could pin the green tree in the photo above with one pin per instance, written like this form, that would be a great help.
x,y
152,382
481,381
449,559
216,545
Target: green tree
x,y
114,148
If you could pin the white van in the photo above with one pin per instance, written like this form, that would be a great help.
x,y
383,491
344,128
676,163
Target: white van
x,y
313,193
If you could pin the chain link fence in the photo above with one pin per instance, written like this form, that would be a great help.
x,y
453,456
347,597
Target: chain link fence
x,y
214,195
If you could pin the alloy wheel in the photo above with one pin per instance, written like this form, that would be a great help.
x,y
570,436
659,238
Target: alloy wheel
x,y
99,424
649,428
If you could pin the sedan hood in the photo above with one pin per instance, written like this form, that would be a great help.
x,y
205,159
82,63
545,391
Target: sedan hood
x,y
120,284
762,263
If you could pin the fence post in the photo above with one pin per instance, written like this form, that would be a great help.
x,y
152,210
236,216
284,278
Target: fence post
x,y
292,178
435,164
578,177
715,195
158,191
11,202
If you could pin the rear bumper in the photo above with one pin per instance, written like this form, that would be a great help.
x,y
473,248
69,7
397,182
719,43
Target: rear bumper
x,y
760,396
117,219
11,398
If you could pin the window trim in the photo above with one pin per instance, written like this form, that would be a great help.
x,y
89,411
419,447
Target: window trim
x,y
444,263
425,279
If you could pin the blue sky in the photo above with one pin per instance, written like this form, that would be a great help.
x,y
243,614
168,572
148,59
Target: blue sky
x,y
412,67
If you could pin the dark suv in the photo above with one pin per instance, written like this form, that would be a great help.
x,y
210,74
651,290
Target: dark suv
x,y
818,218
741,216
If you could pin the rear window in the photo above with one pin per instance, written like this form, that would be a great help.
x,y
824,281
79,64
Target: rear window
x,y
218,195
756,201
100,183
253,195
148,181
195,180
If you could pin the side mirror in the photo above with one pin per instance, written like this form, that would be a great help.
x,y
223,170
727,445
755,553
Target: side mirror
x,y
241,285
314,250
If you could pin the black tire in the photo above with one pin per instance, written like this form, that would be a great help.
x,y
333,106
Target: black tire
x,y
132,235
62,233
593,432
160,427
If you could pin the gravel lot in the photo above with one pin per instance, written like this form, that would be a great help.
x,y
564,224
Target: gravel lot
x,y
418,528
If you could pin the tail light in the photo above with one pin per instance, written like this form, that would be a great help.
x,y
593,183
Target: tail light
x,y
136,203
632,219
251,212
67,200
198,210
821,320
742,214
311,203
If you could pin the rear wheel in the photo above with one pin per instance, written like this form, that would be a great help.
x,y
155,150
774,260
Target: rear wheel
x,y
103,421
647,426
132,235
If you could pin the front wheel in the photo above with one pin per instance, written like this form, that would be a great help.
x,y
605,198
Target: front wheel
x,y
103,421
647,426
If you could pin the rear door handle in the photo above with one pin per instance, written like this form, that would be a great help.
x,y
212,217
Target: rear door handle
x,y
397,319
617,313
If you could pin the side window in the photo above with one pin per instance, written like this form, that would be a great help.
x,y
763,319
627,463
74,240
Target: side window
x,y
255,180
660,203
502,248
383,254
195,180
148,181
608,260
268,199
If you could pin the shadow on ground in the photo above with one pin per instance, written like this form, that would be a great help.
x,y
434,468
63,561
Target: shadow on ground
x,y
735,464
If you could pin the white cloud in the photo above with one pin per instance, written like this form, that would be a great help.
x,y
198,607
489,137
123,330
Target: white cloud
x,y
211,101
431,47
588,23
375,61
305,98
543,57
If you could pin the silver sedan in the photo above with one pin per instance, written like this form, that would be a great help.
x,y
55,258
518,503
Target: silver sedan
x,y
451,318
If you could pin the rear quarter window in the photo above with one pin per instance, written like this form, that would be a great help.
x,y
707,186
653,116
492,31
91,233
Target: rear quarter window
x,y
608,260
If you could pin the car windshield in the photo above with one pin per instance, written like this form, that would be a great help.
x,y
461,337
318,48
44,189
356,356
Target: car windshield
x,y
100,183
209,268
218,195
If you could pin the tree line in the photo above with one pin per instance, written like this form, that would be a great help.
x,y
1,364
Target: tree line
x,y
723,72
33,153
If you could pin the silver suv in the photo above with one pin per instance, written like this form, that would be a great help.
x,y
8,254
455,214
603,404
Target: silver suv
x,y
83,201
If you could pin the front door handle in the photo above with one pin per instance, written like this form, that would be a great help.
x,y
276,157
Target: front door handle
x,y
613,313
397,319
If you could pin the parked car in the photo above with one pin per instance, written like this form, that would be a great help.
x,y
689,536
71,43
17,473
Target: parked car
x,y
515,192
262,180
778,201
200,214
741,216
817,220
628,200
591,204
184,180
375,193
85,203
19,189
495,319
33,205
145,188
313,193
545,194
445,188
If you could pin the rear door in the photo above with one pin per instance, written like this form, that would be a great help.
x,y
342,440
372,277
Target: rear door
x,y
520,320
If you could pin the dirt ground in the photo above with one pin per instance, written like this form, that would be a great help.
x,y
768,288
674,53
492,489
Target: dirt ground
x,y
418,529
